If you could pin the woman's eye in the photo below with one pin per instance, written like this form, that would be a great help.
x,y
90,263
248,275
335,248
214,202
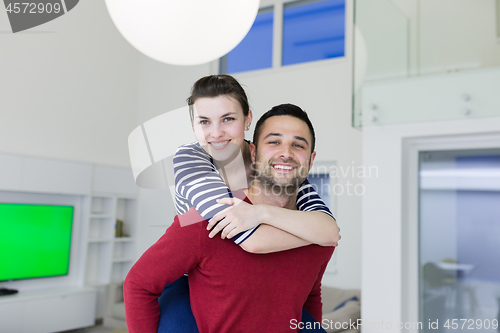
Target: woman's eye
x,y
228,119
203,122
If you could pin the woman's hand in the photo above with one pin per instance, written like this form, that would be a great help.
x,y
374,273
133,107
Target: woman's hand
x,y
240,217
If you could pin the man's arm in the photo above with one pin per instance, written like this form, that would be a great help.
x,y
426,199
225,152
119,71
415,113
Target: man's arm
x,y
174,254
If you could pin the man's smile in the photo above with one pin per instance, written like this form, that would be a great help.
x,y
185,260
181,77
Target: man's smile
x,y
284,167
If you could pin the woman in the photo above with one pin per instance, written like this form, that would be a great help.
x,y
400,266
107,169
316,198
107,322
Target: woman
x,y
220,116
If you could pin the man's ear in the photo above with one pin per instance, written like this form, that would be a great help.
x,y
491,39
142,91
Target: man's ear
x,y
313,156
253,149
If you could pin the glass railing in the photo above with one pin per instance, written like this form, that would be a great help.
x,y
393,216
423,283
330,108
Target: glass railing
x,y
403,42
381,46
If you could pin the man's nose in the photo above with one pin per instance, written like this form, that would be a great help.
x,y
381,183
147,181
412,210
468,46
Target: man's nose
x,y
286,152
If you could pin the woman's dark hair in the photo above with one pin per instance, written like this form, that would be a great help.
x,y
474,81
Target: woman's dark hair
x,y
284,110
217,85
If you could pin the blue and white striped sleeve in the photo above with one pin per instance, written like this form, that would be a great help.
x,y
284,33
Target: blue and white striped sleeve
x,y
309,200
199,185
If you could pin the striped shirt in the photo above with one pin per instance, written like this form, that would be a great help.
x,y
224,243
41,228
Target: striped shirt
x,y
198,185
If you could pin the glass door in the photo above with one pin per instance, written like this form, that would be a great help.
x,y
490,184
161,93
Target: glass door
x,y
459,240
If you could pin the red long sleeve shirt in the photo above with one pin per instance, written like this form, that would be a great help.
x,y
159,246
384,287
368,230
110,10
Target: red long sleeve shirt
x,y
231,290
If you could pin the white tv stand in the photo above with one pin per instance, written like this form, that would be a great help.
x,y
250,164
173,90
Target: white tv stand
x,y
50,310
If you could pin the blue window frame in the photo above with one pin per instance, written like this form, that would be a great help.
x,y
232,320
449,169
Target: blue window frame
x,y
255,51
313,30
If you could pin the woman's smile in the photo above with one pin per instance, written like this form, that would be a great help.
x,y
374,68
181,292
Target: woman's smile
x,y
219,145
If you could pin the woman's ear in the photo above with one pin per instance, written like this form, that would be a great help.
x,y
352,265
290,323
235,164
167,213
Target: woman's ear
x,y
248,119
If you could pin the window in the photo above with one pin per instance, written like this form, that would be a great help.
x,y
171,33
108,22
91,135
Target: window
x,y
313,30
256,50
321,184
323,177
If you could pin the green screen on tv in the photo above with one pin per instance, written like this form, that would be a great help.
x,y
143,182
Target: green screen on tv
x,y
35,240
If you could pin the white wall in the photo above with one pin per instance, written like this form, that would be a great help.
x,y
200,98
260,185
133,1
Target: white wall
x,y
68,88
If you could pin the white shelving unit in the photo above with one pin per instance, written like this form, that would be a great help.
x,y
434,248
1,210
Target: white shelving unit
x,y
124,248
101,195
109,258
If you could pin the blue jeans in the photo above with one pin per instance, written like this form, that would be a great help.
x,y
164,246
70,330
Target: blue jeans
x,y
176,315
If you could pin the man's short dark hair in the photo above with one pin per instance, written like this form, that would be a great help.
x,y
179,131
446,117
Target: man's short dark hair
x,y
284,110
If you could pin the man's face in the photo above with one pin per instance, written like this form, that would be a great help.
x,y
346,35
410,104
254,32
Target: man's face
x,y
283,158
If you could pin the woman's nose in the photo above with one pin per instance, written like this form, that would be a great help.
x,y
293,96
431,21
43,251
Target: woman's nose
x,y
217,131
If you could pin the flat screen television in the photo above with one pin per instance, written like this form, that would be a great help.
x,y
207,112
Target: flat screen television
x,y
35,240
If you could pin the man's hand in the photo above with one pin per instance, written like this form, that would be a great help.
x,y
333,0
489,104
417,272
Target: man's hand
x,y
240,217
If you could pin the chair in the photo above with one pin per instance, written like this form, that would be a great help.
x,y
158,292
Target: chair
x,y
341,306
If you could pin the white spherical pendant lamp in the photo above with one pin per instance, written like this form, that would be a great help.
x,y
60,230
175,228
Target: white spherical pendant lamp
x,y
183,32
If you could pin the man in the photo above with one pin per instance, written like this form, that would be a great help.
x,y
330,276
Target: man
x,y
233,290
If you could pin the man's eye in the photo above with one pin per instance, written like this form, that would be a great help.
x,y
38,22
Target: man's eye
x,y
273,142
299,146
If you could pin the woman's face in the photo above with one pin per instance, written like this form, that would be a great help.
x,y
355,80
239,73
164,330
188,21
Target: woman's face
x,y
219,125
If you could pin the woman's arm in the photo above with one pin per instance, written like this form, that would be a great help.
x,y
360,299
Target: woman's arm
x,y
314,227
268,239
199,185
314,223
